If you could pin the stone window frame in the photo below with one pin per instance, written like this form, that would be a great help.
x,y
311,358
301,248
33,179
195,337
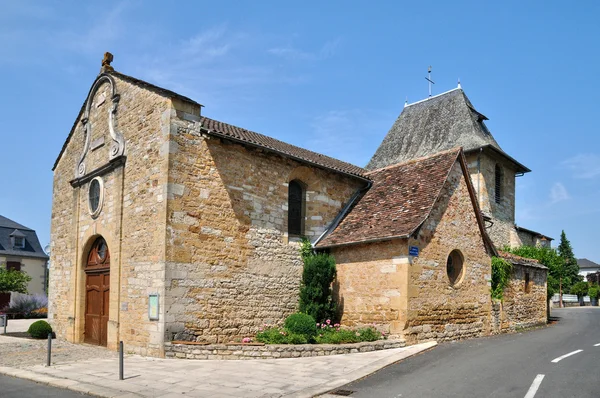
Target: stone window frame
x,y
456,255
96,212
498,182
303,188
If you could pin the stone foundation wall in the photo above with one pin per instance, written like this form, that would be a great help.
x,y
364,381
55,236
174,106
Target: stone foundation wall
x,y
231,267
273,351
436,308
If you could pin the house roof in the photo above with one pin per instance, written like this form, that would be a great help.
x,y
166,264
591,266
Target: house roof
x,y
585,263
243,136
399,201
10,228
436,124
234,133
518,260
529,231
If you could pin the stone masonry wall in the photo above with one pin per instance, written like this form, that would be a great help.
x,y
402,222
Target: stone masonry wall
x,y
523,307
503,213
437,309
372,284
230,266
131,221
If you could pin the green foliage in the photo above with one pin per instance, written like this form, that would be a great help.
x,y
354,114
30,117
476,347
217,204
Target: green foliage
x,y
306,249
337,335
301,324
546,256
39,329
277,335
580,289
593,291
315,292
571,268
501,270
13,281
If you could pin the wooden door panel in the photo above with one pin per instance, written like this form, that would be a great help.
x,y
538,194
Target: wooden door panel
x,y
96,309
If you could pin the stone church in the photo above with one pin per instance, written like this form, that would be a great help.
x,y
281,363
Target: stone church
x,y
168,225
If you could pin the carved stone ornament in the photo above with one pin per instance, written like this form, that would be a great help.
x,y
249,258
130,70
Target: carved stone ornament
x,y
117,147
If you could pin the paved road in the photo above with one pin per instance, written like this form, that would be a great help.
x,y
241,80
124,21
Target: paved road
x,y
501,366
11,387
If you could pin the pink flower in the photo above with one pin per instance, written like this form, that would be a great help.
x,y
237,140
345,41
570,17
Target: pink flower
x,y
246,340
318,324
337,325
328,321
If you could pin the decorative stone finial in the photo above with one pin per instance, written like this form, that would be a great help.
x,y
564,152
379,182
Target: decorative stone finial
x,y
406,102
108,58
459,83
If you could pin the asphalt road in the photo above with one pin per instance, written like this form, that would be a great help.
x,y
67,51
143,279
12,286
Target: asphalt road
x,y
11,387
501,366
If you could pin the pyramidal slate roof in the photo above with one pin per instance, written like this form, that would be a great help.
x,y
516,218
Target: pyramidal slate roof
x,y
444,121
585,263
10,228
399,201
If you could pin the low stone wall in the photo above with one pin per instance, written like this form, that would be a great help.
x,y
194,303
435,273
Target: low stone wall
x,y
271,351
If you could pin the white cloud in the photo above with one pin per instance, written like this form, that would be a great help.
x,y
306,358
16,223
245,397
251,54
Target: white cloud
x,y
558,193
294,54
584,165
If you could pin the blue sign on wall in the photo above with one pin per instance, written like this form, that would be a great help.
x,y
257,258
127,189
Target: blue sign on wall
x,y
413,251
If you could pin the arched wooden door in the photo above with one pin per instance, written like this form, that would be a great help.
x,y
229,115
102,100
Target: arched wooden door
x,y
97,293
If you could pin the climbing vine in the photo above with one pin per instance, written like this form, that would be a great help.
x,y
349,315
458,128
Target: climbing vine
x,y
501,270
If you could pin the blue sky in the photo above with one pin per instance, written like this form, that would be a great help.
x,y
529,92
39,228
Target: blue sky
x,y
329,77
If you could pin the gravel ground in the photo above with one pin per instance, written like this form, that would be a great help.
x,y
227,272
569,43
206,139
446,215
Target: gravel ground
x,y
20,353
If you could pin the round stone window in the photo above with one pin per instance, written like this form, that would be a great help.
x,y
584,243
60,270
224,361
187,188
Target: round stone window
x,y
454,266
96,196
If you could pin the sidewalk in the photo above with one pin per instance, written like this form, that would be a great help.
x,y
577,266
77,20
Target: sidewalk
x,y
170,378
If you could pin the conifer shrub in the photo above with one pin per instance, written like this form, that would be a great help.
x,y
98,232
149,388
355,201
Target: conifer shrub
x,y
315,292
301,324
39,329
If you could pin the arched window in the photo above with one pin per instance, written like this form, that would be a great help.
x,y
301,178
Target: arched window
x,y
295,208
498,185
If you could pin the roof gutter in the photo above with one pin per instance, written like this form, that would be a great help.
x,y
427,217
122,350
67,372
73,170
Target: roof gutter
x,y
367,241
343,213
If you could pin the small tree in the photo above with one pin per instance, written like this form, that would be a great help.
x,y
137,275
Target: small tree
x,y
13,281
580,289
316,297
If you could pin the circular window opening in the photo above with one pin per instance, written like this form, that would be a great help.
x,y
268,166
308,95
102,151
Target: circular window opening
x,y
454,266
95,196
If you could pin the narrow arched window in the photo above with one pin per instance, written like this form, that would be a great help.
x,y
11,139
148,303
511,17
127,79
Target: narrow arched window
x,y
295,208
498,185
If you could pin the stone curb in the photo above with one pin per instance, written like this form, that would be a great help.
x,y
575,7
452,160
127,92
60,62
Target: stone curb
x,y
73,385
363,372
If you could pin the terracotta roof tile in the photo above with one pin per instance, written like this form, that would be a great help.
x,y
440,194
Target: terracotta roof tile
x,y
400,199
244,136
513,258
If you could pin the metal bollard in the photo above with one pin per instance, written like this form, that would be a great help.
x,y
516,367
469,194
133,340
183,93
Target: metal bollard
x,y
120,360
5,321
48,361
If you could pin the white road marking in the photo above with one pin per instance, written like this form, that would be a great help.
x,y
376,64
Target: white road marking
x,y
534,386
596,345
565,356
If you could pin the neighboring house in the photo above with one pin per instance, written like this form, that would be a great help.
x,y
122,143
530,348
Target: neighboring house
x,y
587,267
20,249
449,120
171,225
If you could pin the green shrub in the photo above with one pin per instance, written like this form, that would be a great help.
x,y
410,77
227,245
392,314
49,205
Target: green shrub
x,y
594,291
329,335
276,335
369,334
294,338
315,292
302,324
580,289
39,329
501,270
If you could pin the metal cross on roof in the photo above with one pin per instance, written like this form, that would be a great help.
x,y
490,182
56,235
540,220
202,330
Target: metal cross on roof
x,y
428,78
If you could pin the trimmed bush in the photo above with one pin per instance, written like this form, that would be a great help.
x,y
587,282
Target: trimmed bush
x,y
39,329
302,324
315,292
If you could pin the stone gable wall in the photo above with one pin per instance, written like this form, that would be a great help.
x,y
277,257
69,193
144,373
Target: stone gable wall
x,y
230,266
371,286
438,310
134,199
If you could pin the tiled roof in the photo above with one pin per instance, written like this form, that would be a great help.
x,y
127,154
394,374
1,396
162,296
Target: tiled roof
x,y
400,200
244,136
528,262
32,244
436,124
